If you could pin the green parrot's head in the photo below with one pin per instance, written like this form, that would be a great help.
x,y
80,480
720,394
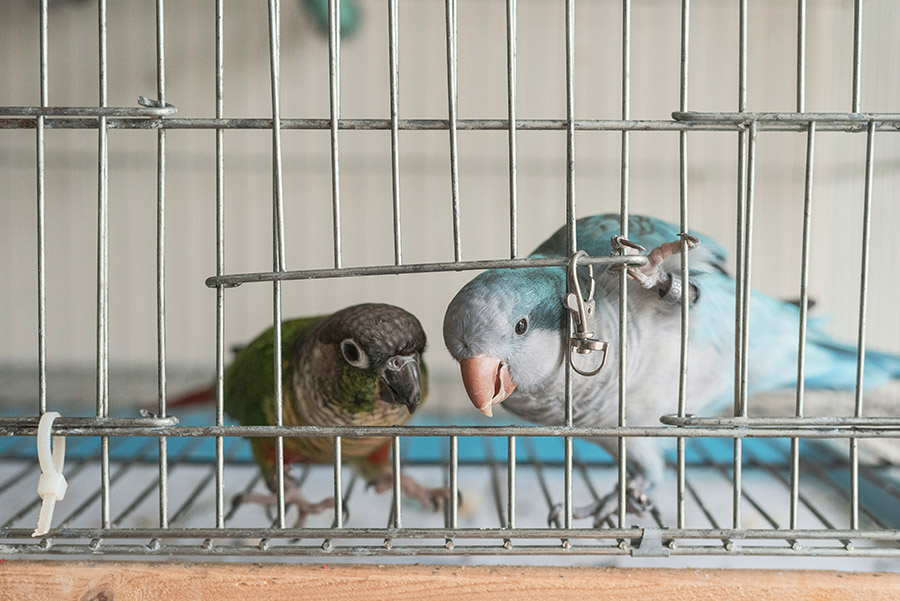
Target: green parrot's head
x,y
379,347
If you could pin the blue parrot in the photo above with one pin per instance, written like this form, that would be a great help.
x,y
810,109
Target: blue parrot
x,y
507,328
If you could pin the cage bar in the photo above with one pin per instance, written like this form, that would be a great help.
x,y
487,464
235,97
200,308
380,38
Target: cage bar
x,y
857,54
334,80
142,118
861,337
103,267
801,55
393,51
41,230
452,98
397,488
623,278
804,309
278,241
511,112
161,262
220,264
571,244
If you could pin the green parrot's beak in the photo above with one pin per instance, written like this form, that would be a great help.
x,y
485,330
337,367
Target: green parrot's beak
x,y
403,379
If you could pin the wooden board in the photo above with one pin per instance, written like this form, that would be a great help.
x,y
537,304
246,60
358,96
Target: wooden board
x,y
122,581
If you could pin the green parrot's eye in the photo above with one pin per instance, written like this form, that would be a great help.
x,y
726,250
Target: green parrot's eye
x,y
521,326
354,355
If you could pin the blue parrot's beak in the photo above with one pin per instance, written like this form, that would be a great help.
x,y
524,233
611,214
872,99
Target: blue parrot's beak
x,y
403,379
487,381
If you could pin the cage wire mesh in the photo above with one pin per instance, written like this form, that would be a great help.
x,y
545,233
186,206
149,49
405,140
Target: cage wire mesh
x,y
161,483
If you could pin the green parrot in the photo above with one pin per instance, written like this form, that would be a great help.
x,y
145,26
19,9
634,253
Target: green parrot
x,y
360,366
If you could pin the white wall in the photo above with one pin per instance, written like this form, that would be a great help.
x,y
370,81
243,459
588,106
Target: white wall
x,y
425,193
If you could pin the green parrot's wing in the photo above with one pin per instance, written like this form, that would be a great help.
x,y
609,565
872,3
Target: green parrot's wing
x,y
250,379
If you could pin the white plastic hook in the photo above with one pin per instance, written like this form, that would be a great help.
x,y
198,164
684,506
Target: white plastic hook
x,y
52,485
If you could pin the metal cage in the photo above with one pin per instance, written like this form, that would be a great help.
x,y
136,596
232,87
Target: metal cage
x,y
505,456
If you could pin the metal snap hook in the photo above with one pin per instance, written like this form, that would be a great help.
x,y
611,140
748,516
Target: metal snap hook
x,y
582,340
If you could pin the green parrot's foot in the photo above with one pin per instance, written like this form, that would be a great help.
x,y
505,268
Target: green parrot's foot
x,y
636,502
432,498
293,497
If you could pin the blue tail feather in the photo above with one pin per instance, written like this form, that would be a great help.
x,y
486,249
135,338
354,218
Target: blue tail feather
x,y
832,364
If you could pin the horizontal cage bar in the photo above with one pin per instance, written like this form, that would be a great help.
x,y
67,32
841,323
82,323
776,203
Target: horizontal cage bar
x,y
313,274
447,431
735,124
88,111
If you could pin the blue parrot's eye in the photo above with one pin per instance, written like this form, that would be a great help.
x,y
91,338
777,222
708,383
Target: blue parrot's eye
x,y
353,354
521,326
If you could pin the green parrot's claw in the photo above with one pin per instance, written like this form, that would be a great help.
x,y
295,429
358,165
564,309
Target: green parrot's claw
x,y
430,498
293,497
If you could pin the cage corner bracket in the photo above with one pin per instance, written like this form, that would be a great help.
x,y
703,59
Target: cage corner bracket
x,y
650,544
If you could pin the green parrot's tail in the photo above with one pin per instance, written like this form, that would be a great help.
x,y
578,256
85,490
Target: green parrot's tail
x,y
199,396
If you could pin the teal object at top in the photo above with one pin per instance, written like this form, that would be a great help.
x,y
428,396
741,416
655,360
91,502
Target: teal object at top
x,y
350,15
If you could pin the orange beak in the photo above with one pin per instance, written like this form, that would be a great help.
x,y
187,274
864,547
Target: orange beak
x,y
487,381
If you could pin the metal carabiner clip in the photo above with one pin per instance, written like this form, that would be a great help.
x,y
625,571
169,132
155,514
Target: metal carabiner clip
x,y
582,340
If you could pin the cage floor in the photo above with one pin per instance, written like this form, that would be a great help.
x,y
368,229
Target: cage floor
x,y
134,500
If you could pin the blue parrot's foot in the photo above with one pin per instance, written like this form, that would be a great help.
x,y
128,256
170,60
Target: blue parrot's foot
x,y
431,498
636,502
293,497
651,275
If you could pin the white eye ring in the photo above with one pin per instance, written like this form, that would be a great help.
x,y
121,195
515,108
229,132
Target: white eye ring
x,y
353,354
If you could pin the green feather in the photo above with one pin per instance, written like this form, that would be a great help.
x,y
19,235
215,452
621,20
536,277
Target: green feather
x,y
360,387
250,379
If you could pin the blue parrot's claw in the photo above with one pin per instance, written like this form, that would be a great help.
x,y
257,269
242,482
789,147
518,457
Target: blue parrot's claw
x,y
553,516
651,275
692,240
621,243
636,502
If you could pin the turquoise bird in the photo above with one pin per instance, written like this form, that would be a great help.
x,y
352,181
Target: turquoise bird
x,y
508,330
350,15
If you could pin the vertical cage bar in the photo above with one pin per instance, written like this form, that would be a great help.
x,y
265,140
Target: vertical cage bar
x,y
511,481
511,111
685,270
334,81
801,56
41,276
804,266
857,53
220,265
103,268
454,482
571,238
741,256
861,344
161,263
278,240
451,107
338,485
742,57
804,309
398,492
623,279
745,316
393,51
745,274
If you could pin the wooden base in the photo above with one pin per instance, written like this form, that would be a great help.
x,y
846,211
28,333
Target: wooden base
x,y
124,581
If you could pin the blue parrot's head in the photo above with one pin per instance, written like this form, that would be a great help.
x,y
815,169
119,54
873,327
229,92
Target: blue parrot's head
x,y
505,328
